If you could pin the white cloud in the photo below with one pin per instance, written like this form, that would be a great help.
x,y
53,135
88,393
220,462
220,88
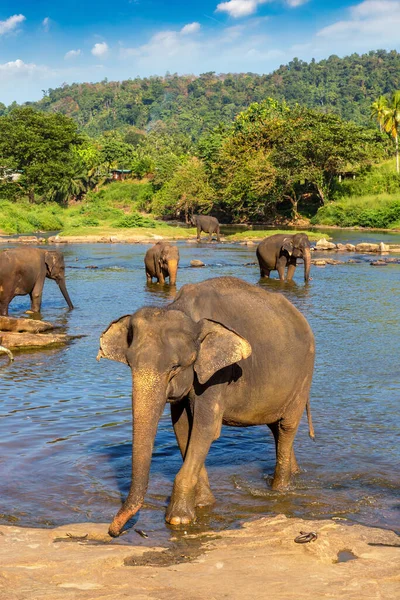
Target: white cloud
x,y
372,24
239,8
190,28
296,3
232,49
46,24
100,49
18,68
11,23
72,54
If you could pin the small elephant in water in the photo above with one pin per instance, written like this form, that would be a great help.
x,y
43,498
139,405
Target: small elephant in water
x,y
230,353
24,270
281,250
162,261
207,224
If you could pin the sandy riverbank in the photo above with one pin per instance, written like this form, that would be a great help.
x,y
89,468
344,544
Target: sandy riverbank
x,y
258,561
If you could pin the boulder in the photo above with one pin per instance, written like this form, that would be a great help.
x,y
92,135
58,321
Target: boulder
x,y
350,248
318,262
197,263
323,244
341,247
365,247
24,325
378,263
33,340
332,261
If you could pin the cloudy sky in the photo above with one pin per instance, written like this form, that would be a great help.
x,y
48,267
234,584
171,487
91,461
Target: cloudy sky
x,y
45,43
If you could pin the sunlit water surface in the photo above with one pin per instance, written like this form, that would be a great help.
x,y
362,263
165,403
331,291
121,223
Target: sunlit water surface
x,y
65,419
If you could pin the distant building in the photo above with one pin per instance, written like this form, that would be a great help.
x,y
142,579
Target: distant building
x,y
120,174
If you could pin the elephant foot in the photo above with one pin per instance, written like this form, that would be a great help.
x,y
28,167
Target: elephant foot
x,y
204,496
280,484
181,510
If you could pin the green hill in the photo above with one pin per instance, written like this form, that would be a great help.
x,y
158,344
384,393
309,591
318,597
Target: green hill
x,y
192,104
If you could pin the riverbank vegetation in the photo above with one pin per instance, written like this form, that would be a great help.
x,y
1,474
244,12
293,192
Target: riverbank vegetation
x,y
274,162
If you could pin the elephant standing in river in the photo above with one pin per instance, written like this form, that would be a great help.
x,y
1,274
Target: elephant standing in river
x,y
280,250
207,224
162,261
223,352
24,270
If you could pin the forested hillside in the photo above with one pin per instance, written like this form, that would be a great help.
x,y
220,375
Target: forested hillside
x,y
191,105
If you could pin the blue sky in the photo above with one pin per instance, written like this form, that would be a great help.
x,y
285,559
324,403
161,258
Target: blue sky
x,y
44,44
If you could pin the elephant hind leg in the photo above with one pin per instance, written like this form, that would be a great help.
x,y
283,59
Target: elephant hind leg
x,y
286,464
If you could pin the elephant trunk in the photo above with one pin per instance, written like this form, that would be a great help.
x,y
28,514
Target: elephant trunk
x,y
172,270
63,288
148,401
307,264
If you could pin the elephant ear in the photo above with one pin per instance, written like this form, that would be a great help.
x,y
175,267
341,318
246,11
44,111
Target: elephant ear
x,y
287,246
54,260
219,348
116,339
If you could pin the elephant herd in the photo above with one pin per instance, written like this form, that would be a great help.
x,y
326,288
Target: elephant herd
x,y
224,352
274,253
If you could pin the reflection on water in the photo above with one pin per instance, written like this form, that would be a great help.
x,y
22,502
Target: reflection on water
x,y
65,419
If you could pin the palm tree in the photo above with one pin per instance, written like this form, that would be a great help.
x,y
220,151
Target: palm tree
x,y
391,122
378,109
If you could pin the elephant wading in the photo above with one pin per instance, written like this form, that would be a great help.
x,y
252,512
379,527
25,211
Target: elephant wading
x,y
223,352
162,261
23,271
281,250
207,224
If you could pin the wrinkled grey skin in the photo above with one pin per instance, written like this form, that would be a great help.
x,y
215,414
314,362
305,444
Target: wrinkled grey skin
x,y
280,250
24,270
207,224
230,353
162,261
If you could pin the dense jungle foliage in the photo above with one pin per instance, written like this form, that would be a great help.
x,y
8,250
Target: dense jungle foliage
x,y
275,161
192,105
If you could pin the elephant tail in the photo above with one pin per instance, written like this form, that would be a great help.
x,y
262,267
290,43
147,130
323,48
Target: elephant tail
x,y
311,432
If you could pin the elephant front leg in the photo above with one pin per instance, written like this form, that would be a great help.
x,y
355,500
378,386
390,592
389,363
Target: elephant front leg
x,y
36,297
291,269
280,267
207,421
182,423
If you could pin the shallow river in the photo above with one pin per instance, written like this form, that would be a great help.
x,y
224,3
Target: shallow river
x,y
65,420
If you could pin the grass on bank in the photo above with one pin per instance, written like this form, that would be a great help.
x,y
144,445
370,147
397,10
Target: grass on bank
x,y
370,200
380,212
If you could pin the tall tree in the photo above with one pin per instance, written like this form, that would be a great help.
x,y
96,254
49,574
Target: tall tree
x,y
39,145
378,109
391,122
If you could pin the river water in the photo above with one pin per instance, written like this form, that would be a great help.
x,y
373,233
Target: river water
x,y
65,420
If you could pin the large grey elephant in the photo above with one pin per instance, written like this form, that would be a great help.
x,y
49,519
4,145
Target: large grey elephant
x,y
223,352
281,250
162,261
207,224
24,270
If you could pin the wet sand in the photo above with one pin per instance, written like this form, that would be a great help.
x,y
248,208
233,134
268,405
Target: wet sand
x,y
259,561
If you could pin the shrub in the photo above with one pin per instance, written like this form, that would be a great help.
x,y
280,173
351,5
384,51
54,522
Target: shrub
x,y
134,220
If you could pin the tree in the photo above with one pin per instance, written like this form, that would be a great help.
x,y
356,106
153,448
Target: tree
x,y
378,109
391,122
39,145
186,192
